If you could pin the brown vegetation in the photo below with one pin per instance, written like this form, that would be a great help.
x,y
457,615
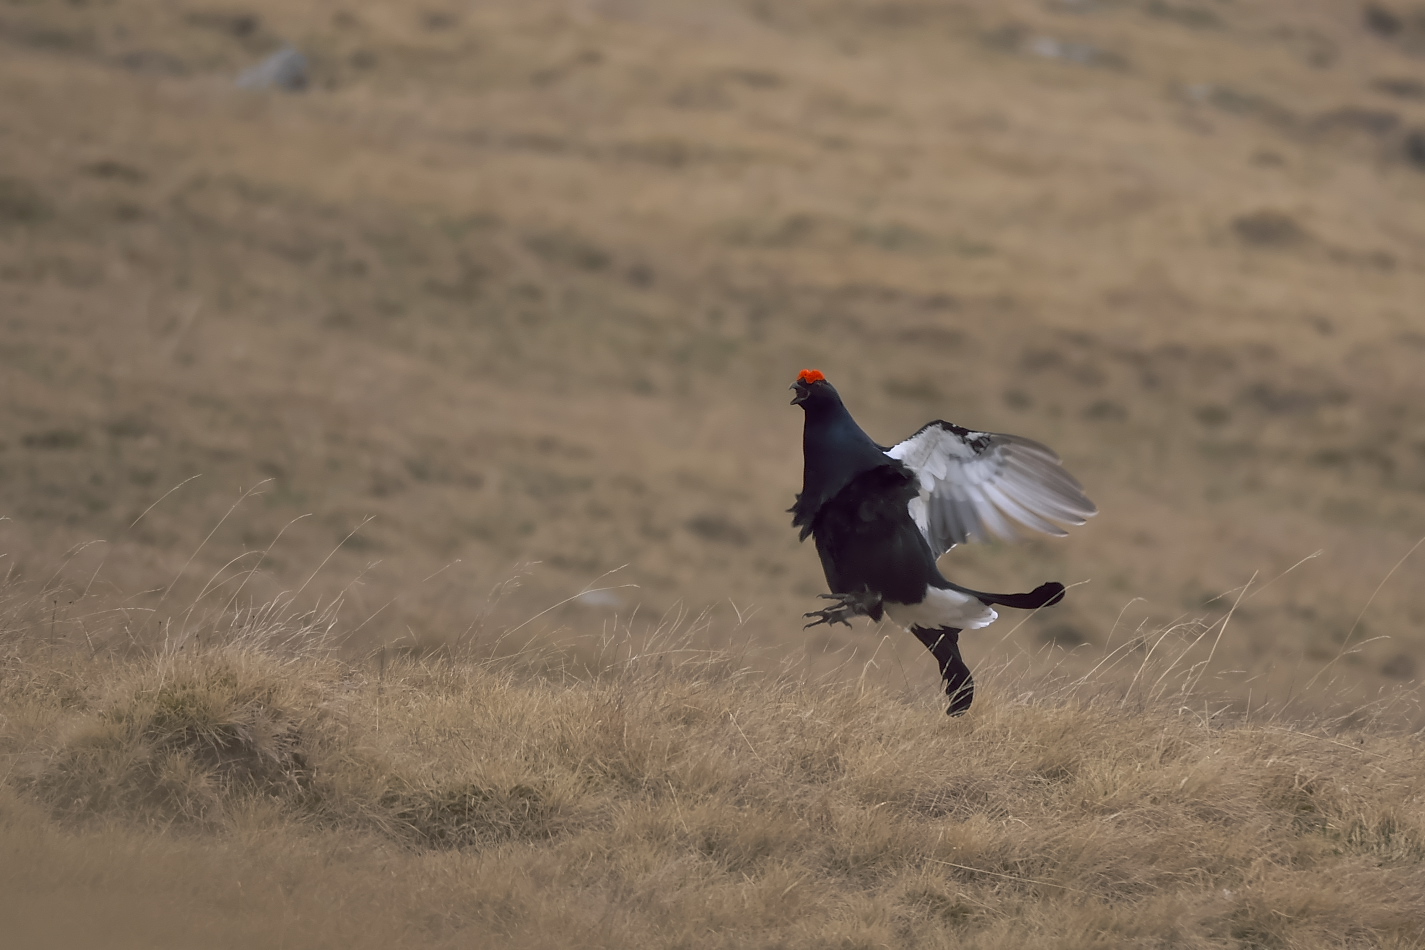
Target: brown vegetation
x,y
508,300
526,283
258,791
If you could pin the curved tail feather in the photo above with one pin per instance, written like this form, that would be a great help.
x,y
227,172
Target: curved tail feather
x,y
1045,595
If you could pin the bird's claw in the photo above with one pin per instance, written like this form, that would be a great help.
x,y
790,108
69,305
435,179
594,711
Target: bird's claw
x,y
847,606
829,615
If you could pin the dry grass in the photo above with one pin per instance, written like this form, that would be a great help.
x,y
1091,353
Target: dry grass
x,y
514,291
253,790
525,282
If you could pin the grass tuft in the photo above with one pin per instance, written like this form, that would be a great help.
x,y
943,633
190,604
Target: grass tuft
x,y
639,792
182,739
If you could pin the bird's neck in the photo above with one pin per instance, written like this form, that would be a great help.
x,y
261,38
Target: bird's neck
x,y
830,428
834,451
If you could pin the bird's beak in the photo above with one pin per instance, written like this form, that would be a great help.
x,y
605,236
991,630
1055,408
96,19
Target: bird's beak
x,y
802,393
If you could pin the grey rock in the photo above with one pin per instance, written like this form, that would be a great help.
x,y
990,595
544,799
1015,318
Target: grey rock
x,y
1082,54
284,69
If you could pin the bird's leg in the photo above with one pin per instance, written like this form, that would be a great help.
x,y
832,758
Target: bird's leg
x,y
862,604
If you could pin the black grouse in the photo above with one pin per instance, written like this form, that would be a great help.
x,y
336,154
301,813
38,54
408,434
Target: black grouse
x,y
882,516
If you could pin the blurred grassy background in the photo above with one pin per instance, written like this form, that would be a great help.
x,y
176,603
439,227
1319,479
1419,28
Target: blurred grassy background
x,y
526,282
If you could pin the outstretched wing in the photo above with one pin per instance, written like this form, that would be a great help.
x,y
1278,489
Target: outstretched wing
x,y
979,485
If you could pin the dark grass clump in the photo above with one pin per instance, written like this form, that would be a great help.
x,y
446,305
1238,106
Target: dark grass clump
x,y
183,741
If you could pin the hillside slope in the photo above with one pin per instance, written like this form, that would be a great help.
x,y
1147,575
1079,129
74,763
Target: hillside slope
x,y
525,282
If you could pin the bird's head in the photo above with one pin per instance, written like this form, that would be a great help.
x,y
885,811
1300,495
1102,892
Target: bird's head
x,y
810,384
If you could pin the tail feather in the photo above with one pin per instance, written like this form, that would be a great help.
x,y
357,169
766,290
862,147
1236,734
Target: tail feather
x,y
1045,595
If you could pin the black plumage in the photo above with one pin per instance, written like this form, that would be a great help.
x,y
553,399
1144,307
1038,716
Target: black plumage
x,y
881,516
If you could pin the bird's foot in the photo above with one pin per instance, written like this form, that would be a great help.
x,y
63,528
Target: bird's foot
x,y
847,606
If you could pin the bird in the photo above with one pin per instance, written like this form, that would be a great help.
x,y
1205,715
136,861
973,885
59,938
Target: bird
x,y
881,517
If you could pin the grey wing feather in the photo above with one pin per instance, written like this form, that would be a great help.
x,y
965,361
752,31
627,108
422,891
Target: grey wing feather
x,y
980,485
